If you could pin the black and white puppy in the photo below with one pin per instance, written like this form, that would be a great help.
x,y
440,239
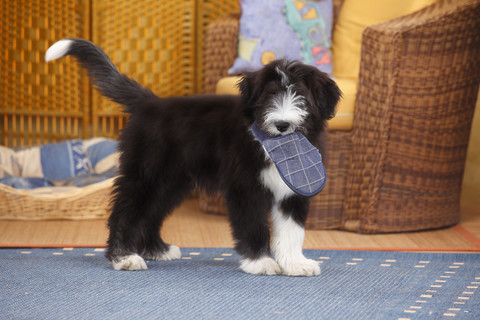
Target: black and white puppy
x,y
170,146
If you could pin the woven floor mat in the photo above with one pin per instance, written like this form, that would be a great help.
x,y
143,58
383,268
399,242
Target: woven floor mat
x,y
207,283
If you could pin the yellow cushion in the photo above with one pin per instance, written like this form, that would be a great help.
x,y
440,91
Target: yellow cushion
x,y
343,119
354,16
345,109
228,85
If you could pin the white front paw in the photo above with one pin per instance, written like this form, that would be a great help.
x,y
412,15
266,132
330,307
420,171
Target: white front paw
x,y
172,253
265,266
301,267
131,262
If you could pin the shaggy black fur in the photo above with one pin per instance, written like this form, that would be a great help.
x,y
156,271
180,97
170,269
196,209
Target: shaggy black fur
x,y
170,146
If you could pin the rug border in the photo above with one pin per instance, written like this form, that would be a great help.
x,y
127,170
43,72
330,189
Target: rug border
x,y
57,246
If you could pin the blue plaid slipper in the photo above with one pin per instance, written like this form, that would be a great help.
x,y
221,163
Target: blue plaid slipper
x,y
297,160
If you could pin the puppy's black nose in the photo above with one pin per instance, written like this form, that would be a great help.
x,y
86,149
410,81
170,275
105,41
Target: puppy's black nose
x,y
282,126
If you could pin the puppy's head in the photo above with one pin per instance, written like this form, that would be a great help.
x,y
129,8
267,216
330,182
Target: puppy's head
x,y
284,97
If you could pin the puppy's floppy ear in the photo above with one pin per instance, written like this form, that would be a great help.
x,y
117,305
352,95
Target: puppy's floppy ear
x,y
250,92
325,92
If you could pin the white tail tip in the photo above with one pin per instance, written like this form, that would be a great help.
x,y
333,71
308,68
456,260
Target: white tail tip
x,y
58,49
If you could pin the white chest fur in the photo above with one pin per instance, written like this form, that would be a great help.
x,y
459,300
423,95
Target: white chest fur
x,y
272,180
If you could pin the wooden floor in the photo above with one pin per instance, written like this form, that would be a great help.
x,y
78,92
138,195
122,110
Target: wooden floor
x,y
189,227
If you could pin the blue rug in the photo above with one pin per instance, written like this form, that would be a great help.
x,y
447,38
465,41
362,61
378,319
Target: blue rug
x,y
207,284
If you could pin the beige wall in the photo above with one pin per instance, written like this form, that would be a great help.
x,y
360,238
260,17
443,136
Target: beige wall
x,y
471,179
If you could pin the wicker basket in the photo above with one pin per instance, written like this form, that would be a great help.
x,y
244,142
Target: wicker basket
x,y
90,202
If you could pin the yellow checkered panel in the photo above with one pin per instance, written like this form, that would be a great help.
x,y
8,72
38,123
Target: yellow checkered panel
x,y
41,102
157,43
152,42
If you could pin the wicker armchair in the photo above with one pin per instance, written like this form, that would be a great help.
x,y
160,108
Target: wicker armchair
x,y
401,167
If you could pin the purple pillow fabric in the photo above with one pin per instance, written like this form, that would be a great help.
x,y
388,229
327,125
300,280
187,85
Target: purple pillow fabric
x,y
291,29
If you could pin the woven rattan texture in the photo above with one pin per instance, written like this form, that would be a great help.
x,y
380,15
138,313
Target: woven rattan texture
x,y
40,102
413,161
209,11
327,208
221,43
158,43
401,167
91,202
154,43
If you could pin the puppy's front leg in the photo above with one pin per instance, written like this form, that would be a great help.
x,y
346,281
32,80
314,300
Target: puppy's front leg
x,y
288,219
248,217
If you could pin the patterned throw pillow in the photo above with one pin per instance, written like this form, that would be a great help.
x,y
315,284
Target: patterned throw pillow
x,y
291,29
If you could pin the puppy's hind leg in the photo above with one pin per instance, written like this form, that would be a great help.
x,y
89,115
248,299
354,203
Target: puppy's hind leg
x,y
122,249
137,216
166,198
288,219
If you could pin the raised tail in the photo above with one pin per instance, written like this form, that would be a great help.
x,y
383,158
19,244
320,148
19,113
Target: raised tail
x,y
104,74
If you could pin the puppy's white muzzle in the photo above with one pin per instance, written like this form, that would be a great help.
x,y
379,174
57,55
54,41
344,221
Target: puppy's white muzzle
x,y
286,114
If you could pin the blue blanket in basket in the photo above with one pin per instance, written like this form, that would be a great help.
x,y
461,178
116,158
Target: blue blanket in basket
x,y
69,163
